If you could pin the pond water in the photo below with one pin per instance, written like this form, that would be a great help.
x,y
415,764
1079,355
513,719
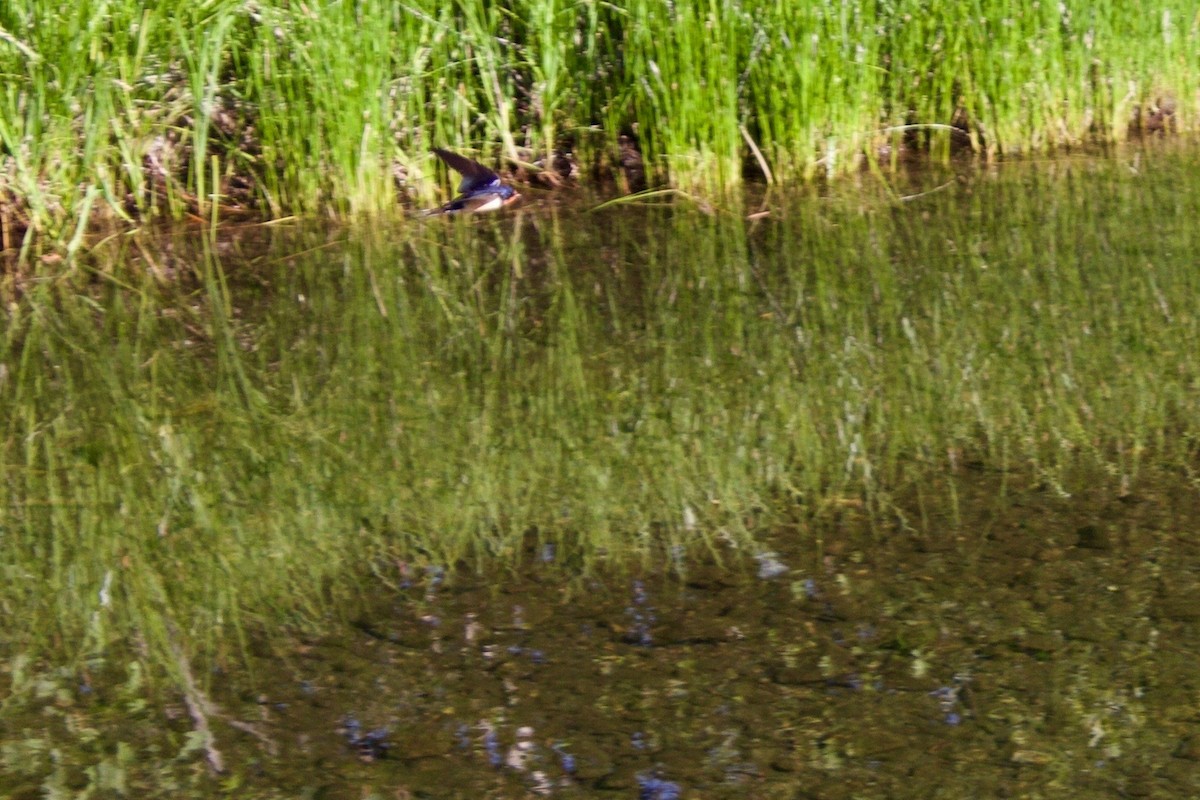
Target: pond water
x,y
1036,646
810,496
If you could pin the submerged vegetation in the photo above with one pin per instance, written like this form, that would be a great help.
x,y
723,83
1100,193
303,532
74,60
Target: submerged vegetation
x,y
123,109
298,419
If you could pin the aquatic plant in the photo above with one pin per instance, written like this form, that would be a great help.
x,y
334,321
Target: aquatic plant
x,y
120,110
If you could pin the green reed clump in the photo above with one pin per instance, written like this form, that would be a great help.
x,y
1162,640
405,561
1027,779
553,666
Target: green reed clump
x,y
1030,76
332,107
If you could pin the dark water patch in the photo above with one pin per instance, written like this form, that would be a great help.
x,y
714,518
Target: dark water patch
x,y
989,651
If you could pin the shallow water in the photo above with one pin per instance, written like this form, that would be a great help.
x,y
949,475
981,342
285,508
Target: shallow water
x,y
1036,646
850,499
1032,646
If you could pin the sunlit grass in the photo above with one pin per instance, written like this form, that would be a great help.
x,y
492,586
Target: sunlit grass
x,y
332,107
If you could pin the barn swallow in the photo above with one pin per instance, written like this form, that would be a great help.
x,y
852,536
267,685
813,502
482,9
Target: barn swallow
x,y
480,190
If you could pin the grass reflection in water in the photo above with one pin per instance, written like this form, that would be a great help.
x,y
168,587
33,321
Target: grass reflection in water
x,y
305,421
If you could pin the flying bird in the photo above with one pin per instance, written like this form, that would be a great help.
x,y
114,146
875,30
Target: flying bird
x,y
481,188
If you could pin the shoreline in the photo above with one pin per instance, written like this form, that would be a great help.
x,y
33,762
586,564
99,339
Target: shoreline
x,y
127,113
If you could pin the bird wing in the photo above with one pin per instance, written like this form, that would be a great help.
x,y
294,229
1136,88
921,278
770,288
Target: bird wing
x,y
475,175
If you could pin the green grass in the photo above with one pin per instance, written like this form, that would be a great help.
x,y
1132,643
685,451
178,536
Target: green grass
x,y
260,445
331,107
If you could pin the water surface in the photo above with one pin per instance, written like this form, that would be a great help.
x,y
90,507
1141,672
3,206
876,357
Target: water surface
x,y
852,498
